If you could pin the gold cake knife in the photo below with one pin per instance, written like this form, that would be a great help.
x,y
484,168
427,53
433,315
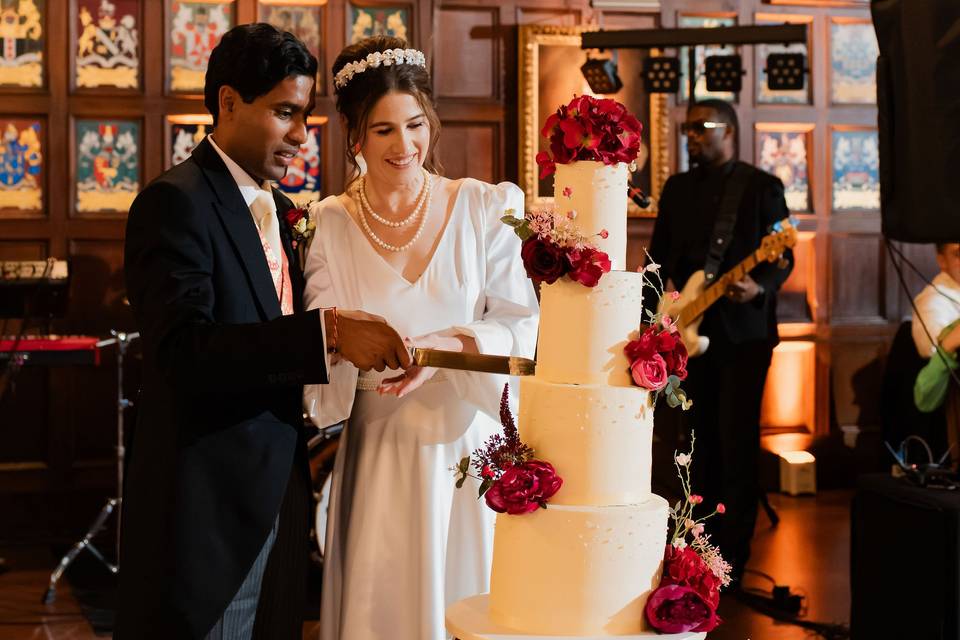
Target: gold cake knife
x,y
510,365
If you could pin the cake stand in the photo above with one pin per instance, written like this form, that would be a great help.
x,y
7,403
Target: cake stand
x,y
469,619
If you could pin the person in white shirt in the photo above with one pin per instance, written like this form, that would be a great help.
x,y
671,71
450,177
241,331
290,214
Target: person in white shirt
x,y
938,304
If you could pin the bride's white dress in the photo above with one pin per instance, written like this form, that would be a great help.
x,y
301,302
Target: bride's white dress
x,y
403,543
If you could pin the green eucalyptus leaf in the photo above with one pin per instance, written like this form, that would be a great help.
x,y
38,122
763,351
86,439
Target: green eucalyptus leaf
x,y
485,486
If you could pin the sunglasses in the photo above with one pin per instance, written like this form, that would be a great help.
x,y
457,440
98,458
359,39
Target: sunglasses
x,y
699,127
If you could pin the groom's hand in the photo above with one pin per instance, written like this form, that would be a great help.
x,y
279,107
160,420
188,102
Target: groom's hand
x,y
369,342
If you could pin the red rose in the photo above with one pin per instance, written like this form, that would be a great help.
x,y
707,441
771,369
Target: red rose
x,y
590,128
293,215
666,341
587,265
644,347
523,488
678,609
685,567
676,360
547,166
650,373
543,261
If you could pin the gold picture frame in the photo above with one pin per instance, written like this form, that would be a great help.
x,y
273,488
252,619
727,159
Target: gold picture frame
x,y
654,158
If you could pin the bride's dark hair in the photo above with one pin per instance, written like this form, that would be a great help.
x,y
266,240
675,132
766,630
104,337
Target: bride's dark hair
x,y
357,98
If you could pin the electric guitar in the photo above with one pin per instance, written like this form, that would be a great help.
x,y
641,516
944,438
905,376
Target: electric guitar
x,y
698,295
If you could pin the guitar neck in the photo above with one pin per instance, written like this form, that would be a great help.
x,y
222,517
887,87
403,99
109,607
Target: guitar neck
x,y
715,291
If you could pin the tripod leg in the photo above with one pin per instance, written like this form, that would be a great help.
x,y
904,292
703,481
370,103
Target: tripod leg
x,y
51,593
768,509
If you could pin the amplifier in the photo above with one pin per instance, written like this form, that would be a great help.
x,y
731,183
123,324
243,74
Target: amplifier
x,y
34,288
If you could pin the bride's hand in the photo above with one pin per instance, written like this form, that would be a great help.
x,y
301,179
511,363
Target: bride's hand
x,y
415,376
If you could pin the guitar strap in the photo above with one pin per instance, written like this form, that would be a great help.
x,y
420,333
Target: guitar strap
x,y
733,189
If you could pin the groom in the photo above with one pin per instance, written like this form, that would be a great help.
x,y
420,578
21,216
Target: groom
x,y
216,509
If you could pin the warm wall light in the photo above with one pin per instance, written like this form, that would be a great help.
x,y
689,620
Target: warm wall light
x,y
798,472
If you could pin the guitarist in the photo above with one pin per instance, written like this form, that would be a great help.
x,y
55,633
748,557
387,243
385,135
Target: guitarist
x,y
710,218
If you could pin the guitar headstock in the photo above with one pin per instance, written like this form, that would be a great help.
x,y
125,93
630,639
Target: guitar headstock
x,y
784,236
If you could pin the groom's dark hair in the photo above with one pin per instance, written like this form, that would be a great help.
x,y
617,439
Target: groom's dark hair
x,y
253,58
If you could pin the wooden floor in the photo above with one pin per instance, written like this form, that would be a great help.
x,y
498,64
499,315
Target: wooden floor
x,y
809,551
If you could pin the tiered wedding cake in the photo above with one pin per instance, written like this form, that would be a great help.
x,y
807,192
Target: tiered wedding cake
x,y
587,563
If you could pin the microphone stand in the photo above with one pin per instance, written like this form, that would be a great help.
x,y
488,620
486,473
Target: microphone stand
x,y
122,340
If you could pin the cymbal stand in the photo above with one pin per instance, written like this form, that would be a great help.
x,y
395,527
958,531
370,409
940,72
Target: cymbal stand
x,y
122,340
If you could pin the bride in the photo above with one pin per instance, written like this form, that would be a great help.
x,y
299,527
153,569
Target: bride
x,y
431,256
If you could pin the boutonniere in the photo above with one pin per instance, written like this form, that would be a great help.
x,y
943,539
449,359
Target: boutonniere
x,y
301,226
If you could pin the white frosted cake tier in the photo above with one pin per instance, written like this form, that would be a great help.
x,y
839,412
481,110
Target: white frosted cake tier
x,y
568,570
598,194
583,330
598,438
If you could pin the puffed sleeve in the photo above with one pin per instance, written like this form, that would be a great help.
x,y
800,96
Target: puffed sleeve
x,y
510,316
331,403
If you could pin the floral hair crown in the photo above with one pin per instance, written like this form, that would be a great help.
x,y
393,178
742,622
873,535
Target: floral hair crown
x,y
377,58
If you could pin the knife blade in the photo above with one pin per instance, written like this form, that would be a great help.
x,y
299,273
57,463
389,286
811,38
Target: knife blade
x,y
509,365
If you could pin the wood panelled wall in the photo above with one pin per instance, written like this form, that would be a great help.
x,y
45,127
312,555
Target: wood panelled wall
x,y
57,431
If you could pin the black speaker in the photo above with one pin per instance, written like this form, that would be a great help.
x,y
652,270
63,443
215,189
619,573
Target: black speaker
x,y
918,99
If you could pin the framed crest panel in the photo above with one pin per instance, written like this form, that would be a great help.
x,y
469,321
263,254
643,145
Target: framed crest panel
x,y
23,34
550,59
763,94
784,150
22,176
853,61
194,28
823,3
379,19
304,180
106,166
105,49
182,133
303,19
854,168
699,21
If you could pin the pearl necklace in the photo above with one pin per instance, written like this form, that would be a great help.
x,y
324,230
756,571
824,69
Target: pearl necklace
x,y
416,236
362,190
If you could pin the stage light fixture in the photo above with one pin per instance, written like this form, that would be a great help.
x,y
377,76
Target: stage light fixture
x,y
786,71
601,75
724,73
661,74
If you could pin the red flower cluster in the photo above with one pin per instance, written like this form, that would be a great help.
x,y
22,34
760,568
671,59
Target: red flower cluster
x,y
294,215
655,356
523,488
598,129
546,262
688,595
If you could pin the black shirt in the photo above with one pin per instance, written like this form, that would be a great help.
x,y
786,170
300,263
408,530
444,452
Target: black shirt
x,y
688,210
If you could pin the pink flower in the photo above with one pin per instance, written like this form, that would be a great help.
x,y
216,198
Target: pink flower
x,y
604,234
678,609
721,508
567,192
697,530
650,373
487,472
587,265
523,488
695,499
544,261
572,214
674,295
667,323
